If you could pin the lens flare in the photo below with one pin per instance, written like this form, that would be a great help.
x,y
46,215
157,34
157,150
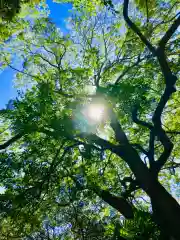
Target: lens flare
x,y
94,113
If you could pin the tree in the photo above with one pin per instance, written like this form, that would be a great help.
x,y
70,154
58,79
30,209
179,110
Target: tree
x,y
58,152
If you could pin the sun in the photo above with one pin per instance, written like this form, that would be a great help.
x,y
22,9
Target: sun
x,y
94,113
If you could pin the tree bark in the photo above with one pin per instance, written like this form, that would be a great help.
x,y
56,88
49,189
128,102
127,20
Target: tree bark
x,y
118,203
165,208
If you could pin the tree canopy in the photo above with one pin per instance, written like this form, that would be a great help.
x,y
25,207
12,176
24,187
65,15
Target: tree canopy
x,y
90,147
13,15
10,8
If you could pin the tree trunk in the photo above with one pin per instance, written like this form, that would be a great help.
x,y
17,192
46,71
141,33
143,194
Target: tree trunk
x,y
165,207
166,211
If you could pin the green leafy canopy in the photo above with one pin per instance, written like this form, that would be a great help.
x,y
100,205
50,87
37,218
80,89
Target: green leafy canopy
x,y
90,147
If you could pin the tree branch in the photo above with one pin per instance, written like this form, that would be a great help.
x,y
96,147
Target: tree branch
x,y
140,148
99,141
118,131
119,203
133,186
11,141
135,28
159,131
160,107
151,148
46,60
74,95
170,81
164,22
20,71
147,12
173,132
164,156
169,33
128,69
174,165
138,121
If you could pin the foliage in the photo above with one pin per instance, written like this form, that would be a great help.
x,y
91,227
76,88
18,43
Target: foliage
x,y
9,8
65,171
14,16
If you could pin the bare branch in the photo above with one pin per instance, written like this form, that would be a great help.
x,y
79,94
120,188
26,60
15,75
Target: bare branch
x,y
98,75
124,150
53,164
60,59
170,81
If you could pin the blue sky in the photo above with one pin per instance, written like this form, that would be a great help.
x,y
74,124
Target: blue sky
x,y
58,13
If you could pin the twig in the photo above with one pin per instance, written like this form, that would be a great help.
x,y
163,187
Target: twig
x,y
128,69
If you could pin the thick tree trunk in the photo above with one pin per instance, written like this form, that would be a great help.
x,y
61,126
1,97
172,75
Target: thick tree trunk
x,y
165,207
166,211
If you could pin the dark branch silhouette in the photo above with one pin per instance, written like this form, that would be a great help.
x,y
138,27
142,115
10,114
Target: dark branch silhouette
x,y
169,32
138,121
11,141
135,28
